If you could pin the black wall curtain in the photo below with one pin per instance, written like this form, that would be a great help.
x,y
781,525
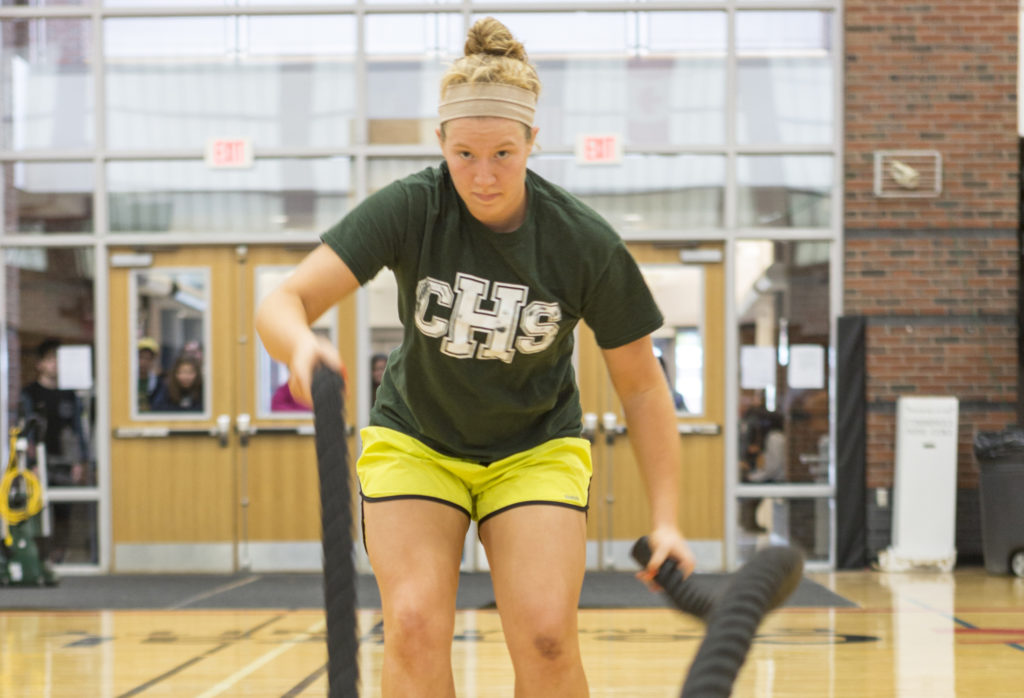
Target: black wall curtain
x,y
851,444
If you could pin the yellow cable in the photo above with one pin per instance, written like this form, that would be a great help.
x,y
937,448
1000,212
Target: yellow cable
x,y
35,491
33,506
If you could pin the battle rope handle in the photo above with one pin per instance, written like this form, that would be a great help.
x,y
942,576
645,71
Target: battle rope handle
x,y
732,617
336,522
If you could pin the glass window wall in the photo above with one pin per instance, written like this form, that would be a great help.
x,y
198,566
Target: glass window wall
x,y
328,124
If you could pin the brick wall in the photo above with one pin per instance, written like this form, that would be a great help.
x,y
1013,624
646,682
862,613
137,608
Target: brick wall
x,y
937,277
938,75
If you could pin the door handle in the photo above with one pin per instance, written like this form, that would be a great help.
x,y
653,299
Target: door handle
x,y
223,429
243,425
611,427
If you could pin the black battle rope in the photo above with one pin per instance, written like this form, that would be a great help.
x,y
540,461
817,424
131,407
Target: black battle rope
x,y
336,522
732,615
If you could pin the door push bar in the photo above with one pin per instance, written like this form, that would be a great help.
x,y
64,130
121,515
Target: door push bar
x,y
220,431
243,427
610,425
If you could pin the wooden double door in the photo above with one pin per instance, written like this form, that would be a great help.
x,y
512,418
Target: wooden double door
x,y
231,483
226,480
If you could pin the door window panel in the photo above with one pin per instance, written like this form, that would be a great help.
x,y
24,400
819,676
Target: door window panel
x,y
281,81
273,396
184,196
46,84
678,344
170,338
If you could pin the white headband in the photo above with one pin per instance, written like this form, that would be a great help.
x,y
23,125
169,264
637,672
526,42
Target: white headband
x,y
488,99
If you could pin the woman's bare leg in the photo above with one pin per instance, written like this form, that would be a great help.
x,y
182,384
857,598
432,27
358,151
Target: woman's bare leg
x,y
415,548
537,555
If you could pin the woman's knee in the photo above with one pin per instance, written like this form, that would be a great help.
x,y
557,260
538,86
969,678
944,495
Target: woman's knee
x,y
553,643
416,627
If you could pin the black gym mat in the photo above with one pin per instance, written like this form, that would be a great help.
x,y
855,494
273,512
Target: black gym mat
x,y
304,591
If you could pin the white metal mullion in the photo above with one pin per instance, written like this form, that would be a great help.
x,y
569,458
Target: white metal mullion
x,y
730,197
49,240
836,265
731,431
731,470
46,12
5,348
361,189
787,491
101,297
207,239
55,155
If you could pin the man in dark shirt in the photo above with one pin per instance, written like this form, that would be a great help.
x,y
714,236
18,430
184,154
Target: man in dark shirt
x,y
54,417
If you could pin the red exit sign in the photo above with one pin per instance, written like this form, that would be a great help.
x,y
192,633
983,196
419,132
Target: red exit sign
x,y
598,149
228,153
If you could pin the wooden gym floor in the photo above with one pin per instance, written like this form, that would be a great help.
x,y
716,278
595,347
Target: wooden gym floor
x,y
910,634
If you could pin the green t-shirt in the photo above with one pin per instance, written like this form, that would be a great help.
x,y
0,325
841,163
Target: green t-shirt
x,y
485,365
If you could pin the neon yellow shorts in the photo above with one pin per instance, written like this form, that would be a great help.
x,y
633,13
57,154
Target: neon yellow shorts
x,y
396,466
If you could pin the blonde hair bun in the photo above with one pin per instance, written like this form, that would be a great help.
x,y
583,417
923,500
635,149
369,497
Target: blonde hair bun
x,y
491,37
493,55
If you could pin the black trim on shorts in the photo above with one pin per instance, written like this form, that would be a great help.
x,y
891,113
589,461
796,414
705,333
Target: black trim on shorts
x,y
584,508
416,496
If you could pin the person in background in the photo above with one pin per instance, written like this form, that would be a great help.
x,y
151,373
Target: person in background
x,y
182,390
770,454
54,417
378,363
283,401
149,376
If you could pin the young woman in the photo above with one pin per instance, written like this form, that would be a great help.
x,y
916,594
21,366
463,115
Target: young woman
x,y
182,390
478,415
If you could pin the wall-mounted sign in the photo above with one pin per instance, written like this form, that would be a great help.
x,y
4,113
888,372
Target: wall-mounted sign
x,y
228,153
598,149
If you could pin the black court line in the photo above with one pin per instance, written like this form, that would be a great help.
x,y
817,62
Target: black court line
x,y
194,660
376,631
962,623
301,686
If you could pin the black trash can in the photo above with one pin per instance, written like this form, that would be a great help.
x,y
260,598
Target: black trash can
x,y
1000,456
